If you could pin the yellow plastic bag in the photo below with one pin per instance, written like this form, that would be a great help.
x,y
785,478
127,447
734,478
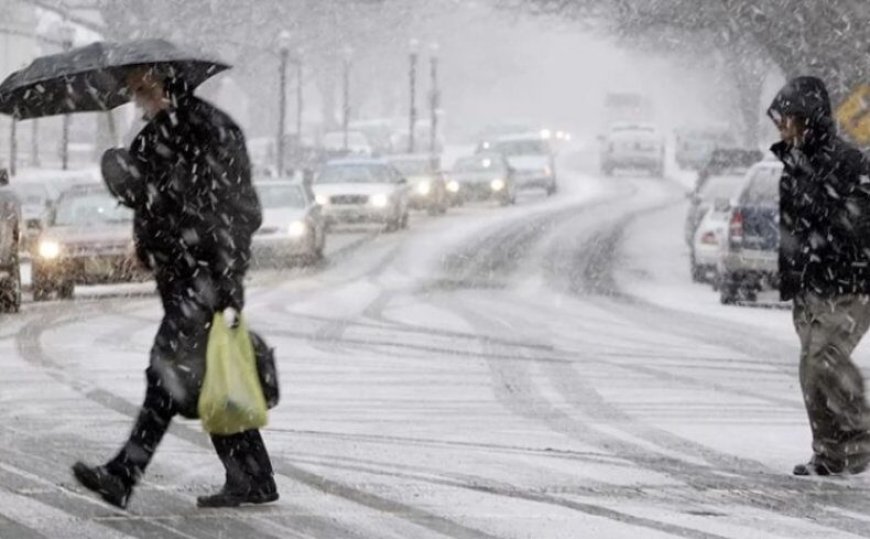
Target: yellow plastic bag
x,y
231,399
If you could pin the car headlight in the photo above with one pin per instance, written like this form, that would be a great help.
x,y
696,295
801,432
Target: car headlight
x,y
49,249
323,200
424,188
297,229
380,201
453,186
497,184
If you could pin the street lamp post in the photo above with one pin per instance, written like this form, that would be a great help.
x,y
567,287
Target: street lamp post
x,y
347,54
284,51
13,147
299,54
434,99
67,34
412,75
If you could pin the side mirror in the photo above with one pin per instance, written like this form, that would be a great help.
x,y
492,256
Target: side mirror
x,y
4,177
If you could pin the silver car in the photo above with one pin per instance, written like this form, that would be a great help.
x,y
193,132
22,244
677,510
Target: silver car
x,y
362,191
293,224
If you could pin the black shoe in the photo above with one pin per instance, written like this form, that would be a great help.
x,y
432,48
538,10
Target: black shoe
x,y
235,496
98,479
820,466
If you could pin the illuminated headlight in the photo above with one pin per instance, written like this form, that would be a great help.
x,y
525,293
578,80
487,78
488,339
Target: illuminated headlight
x,y
497,184
546,133
49,249
453,186
323,200
297,229
424,188
380,201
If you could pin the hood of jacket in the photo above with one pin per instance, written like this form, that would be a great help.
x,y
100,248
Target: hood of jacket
x,y
806,98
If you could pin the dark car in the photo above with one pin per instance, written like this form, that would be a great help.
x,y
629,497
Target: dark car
x,y
749,260
484,176
89,240
10,237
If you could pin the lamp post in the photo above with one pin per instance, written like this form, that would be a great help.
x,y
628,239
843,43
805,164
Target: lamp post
x,y
347,55
13,147
67,34
412,75
299,54
284,52
434,99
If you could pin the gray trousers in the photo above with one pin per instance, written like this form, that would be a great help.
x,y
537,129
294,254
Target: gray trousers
x,y
833,388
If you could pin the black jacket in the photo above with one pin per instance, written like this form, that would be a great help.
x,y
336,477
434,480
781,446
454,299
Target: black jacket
x,y
824,200
195,207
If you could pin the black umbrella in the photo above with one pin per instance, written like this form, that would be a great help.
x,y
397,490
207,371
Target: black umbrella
x,y
91,78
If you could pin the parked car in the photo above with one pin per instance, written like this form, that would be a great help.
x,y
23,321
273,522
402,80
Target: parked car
x,y
530,156
633,146
710,233
88,240
749,259
428,189
694,147
732,164
362,191
10,238
293,224
484,176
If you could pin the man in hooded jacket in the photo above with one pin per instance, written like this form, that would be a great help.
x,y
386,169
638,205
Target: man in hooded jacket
x,y
824,268
187,178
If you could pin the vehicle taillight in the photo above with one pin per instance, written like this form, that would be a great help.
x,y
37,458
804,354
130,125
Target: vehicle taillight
x,y
735,228
709,238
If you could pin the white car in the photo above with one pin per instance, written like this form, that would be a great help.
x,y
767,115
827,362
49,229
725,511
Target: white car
x,y
633,146
707,223
293,225
530,156
362,191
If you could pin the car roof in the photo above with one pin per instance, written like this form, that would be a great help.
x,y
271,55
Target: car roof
x,y
279,181
407,157
531,135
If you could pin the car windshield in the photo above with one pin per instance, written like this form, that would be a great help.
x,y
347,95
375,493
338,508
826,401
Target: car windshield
x,y
281,196
521,147
355,174
413,167
720,187
483,164
90,207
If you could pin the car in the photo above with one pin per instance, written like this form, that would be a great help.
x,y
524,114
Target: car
x,y
10,238
749,255
362,191
633,146
694,147
710,232
531,157
428,188
483,176
88,240
37,199
293,224
733,163
357,144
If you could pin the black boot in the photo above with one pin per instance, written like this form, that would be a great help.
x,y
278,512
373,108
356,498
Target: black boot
x,y
234,496
820,466
111,488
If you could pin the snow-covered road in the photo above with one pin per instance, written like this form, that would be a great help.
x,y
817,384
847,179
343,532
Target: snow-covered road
x,y
542,371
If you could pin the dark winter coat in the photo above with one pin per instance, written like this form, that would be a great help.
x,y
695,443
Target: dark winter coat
x,y
188,180
824,200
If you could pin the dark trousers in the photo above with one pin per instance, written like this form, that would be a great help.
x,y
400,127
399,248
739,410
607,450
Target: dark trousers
x,y
243,455
833,387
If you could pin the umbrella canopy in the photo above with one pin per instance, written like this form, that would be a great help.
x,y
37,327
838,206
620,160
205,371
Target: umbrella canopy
x,y
91,78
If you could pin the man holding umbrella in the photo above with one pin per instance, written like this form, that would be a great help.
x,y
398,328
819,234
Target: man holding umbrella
x,y
187,178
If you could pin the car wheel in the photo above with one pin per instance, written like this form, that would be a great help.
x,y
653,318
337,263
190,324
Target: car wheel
x,y
403,222
729,290
66,290
42,290
552,190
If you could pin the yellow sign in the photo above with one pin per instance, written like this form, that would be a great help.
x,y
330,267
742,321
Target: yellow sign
x,y
853,114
